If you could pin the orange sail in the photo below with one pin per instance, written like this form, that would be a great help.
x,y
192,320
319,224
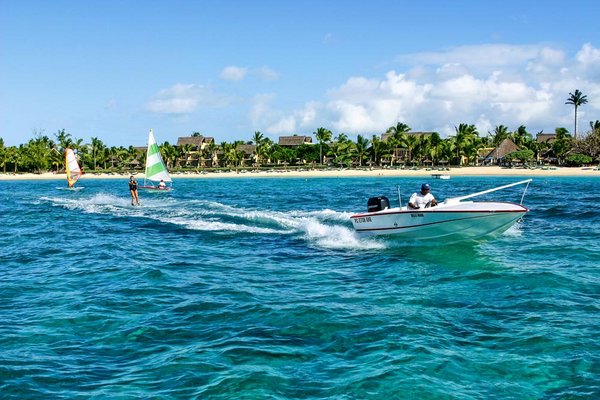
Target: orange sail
x,y
74,172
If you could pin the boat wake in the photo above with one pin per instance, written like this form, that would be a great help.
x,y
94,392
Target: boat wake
x,y
323,228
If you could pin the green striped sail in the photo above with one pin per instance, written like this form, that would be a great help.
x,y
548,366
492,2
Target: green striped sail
x,y
155,166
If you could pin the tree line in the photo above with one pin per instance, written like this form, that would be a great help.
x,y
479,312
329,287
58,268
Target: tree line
x,y
399,146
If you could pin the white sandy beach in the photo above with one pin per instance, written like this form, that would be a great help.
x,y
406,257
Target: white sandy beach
x,y
463,171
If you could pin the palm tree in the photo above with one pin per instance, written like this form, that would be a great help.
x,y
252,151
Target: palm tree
x,y
169,154
466,135
562,144
576,99
97,147
323,135
377,148
500,133
521,137
212,150
64,140
362,148
15,156
435,140
398,136
3,153
258,140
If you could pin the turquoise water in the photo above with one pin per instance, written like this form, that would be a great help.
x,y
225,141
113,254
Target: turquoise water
x,y
258,288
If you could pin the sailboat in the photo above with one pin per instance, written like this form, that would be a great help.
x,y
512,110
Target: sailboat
x,y
156,176
74,172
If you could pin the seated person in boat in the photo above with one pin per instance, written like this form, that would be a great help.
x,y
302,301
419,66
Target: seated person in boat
x,y
422,199
161,184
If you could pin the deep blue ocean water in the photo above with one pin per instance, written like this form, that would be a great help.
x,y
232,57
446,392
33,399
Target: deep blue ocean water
x,y
257,288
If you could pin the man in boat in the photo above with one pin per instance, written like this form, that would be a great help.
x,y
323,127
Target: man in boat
x,y
161,184
422,199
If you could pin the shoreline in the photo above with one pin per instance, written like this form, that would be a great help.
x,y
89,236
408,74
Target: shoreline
x,y
332,173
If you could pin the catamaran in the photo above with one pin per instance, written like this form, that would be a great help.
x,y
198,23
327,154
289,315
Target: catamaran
x,y
156,174
72,168
453,220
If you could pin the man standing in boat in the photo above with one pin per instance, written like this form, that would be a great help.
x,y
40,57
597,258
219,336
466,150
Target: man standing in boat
x,y
424,199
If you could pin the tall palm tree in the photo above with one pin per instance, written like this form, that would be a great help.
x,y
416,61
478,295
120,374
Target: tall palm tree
x,y
96,147
398,136
258,140
15,156
64,140
376,148
576,99
362,148
169,154
3,154
466,135
435,141
412,142
323,136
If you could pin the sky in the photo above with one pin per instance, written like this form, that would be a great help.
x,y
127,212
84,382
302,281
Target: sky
x,y
226,69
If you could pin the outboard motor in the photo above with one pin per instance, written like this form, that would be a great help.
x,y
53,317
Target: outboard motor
x,y
378,203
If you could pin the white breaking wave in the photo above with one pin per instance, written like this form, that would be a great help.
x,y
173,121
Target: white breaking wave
x,y
514,231
322,228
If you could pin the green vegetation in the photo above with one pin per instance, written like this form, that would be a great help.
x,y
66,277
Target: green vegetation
x,y
520,155
397,147
577,160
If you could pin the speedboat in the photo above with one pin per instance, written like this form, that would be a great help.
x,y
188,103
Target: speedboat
x,y
452,220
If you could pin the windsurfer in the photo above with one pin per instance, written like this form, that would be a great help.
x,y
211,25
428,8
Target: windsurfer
x,y
423,199
133,189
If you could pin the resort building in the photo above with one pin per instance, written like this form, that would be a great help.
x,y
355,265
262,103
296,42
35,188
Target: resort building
x,y
249,151
545,137
401,153
195,156
197,142
496,156
294,141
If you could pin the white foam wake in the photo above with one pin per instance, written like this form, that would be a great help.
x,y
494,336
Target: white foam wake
x,y
321,228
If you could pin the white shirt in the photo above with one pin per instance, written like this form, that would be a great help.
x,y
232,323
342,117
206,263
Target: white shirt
x,y
420,200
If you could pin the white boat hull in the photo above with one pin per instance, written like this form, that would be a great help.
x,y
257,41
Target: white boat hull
x,y
450,222
156,188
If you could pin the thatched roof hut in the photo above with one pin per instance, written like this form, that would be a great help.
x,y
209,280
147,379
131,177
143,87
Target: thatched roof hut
x,y
507,146
198,142
294,141
545,137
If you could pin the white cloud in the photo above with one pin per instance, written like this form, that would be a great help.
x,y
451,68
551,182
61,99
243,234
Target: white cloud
x,y
484,85
184,98
588,55
267,74
233,73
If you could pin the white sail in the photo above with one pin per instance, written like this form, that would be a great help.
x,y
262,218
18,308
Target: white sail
x,y
72,167
156,169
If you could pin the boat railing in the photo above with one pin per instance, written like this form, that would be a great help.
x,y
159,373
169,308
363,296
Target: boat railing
x,y
460,198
